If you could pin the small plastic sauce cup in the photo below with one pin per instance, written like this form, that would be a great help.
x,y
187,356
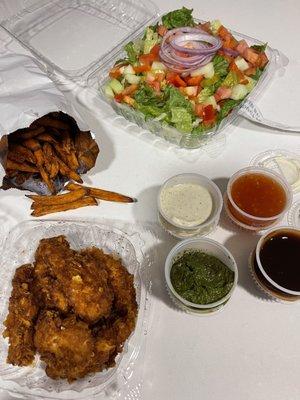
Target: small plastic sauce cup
x,y
182,231
248,221
208,246
264,281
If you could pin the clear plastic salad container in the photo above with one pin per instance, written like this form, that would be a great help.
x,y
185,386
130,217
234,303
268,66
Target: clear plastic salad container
x,y
18,249
82,39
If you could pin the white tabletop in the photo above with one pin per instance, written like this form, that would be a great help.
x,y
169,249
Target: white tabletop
x,y
249,351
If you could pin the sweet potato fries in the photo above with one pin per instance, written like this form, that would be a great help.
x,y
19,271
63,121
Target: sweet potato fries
x,y
77,196
51,151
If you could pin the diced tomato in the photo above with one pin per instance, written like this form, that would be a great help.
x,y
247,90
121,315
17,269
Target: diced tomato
x,y
194,81
178,81
141,68
146,59
223,92
209,115
128,100
250,71
205,27
155,50
229,42
252,56
223,32
155,85
115,72
119,97
162,30
242,46
263,60
129,90
175,79
152,56
199,109
160,76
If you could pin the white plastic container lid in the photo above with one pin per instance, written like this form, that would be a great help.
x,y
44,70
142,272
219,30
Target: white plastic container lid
x,y
68,36
287,164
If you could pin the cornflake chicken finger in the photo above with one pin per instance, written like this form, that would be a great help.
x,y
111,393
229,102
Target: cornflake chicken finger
x,y
87,309
65,344
22,313
89,293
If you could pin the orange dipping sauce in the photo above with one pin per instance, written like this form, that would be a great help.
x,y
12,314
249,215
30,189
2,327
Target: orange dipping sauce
x,y
256,199
258,195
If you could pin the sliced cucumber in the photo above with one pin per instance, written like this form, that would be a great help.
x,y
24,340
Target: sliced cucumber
x,y
116,86
239,92
207,70
241,63
108,91
215,25
128,70
132,79
158,66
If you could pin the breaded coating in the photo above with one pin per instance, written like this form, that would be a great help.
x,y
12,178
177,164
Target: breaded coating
x,y
65,344
86,291
20,321
87,310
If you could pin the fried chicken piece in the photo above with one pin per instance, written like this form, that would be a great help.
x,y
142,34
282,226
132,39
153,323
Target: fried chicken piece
x,y
125,305
87,292
65,344
22,312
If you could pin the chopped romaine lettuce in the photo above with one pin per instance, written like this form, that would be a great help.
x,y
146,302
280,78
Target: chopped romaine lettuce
x,y
231,79
182,119
146,96
177,99
260,48
178,18
132,54
220,65
151,111
227,106
151,39
204,94
257,74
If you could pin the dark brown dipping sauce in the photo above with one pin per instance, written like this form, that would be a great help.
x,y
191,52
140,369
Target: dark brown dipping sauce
x,y
258,195
280,258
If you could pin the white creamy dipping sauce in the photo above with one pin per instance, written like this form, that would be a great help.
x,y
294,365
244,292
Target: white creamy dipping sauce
x,y
186,204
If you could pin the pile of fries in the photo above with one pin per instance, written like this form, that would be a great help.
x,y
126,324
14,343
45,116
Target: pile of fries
x,y
45,156
52,150
76,197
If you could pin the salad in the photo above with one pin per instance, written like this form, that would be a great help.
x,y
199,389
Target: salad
x,y
186,74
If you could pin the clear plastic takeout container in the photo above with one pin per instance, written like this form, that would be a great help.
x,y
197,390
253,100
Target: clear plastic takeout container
x,y
18,249
82,39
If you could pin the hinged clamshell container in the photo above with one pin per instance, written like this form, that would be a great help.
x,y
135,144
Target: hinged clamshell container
x,y
82,39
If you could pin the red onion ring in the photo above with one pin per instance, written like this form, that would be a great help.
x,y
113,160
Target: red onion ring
x,y
230,52
181,59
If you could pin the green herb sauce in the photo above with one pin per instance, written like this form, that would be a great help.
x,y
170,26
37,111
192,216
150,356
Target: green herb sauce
x,y
201,278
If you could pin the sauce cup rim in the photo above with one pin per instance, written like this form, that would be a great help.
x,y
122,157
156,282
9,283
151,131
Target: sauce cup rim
x,y
257,255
